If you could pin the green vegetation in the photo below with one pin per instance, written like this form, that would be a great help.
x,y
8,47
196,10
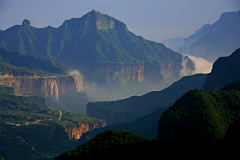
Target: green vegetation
x,y
106,40
39,125
200,115
105,140
20,109
17,64
122,144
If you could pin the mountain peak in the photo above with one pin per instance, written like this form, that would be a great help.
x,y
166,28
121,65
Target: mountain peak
x,y
97,12
94,20
26,22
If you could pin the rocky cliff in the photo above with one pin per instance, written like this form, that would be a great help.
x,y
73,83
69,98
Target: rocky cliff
x,y
45,86
76,132
72,133
136,72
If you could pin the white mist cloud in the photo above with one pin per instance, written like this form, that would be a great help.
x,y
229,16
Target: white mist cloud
x,y
201,66
75,73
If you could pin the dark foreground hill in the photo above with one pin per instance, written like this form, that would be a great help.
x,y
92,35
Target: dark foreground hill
x,y
122,144
200,115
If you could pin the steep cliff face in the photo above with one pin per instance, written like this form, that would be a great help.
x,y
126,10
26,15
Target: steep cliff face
x,y
135,72
72,133
111,116
76,132
49,86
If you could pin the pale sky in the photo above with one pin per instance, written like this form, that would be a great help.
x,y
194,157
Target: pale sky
x,y
154,20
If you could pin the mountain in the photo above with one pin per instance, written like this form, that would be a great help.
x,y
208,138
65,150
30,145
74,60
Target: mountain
x,y
100,47
213,41
200,115
136,106
225,71
217,44
206,114
30,130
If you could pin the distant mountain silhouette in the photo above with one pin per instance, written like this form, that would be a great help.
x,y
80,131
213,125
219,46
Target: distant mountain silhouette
x,y
218,39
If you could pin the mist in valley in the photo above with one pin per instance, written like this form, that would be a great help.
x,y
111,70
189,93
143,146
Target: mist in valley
x,y
112,89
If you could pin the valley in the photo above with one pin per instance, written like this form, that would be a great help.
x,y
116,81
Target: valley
x,y
91,87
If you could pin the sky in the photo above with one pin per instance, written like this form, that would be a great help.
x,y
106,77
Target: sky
x,y
154,20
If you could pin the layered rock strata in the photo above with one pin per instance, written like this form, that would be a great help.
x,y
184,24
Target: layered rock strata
x,y
45,86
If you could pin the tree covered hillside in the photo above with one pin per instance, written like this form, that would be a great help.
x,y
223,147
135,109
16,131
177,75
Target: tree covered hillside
x,y
17,64
200,115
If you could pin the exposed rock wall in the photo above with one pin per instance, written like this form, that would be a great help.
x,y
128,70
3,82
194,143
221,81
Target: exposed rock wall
x,y
124,71
110,116
76,132
49,86
71,132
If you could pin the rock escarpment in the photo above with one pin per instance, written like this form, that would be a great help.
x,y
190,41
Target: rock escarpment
x,y
72,133
76,132
161,72
45,86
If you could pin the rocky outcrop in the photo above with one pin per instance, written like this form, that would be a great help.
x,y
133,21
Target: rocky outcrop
x,y
76,132
45,86
72,133
110,116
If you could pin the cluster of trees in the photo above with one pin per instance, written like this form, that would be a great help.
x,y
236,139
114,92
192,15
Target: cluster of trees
x,y
200,115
